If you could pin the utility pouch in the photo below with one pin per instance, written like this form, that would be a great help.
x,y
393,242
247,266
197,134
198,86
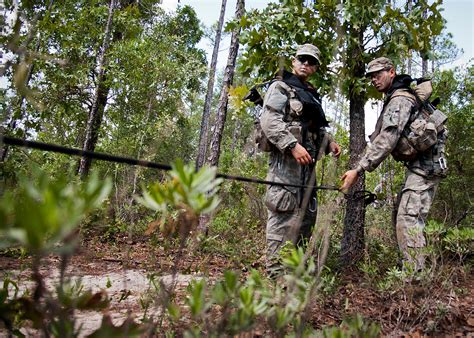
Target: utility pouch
x,y
404,151
296,108
280,199
438,118
422,134
296,131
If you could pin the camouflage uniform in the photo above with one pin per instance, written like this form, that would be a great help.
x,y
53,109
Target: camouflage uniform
x,y
282,124
420,184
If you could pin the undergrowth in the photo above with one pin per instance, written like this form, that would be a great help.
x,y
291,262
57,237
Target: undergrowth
x,y
240,301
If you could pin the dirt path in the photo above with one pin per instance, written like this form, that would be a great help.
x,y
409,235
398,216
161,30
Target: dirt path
x,y
126,289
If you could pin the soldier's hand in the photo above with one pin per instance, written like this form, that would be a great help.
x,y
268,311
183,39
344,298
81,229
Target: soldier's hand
x,y
301,155
349,178
335,149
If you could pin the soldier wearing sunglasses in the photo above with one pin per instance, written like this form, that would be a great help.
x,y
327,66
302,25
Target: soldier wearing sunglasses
x,y
294,123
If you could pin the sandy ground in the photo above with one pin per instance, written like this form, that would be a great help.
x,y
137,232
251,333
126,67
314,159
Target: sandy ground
x,y
125,273
125,289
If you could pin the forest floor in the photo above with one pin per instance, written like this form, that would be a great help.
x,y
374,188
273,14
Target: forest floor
x,y
124,267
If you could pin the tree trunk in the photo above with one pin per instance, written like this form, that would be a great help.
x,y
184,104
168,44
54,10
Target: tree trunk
x,y
203,136
410,59
424,67
409,63
136,169
228,80
100,100
424,62
222,105
352,245
235,135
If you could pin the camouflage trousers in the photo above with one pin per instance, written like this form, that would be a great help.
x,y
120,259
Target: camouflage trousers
x,y
286,224
415,201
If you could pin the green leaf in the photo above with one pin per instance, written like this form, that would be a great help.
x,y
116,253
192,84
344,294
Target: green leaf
x,y
174,311
195,299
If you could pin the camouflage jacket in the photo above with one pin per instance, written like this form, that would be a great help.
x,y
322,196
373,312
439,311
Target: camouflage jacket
x,y
283,123
390,125
386,139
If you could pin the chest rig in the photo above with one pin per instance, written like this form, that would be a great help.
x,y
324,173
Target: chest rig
x,y
305,118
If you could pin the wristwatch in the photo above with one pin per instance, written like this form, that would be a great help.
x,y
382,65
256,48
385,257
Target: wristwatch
x,y
292,145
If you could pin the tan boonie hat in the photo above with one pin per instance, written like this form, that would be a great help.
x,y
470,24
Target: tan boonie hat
x,y
309,49
379,64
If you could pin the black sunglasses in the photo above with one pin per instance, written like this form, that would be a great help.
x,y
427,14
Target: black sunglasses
x,y
306,58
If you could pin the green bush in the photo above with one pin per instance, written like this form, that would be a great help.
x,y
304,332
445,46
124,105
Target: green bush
x,y
43,217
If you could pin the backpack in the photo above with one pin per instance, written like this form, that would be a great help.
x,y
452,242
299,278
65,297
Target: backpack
x,y
426,126
259,137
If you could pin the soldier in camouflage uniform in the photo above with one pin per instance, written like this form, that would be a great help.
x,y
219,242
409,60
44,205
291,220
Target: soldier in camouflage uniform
x,y
294,123
423,173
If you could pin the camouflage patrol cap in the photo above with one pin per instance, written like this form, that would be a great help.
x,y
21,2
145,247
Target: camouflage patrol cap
x,y
379,64
309,49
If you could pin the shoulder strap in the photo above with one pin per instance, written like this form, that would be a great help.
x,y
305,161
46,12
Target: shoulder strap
x,y
404,93
396,93
413,95
287,87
